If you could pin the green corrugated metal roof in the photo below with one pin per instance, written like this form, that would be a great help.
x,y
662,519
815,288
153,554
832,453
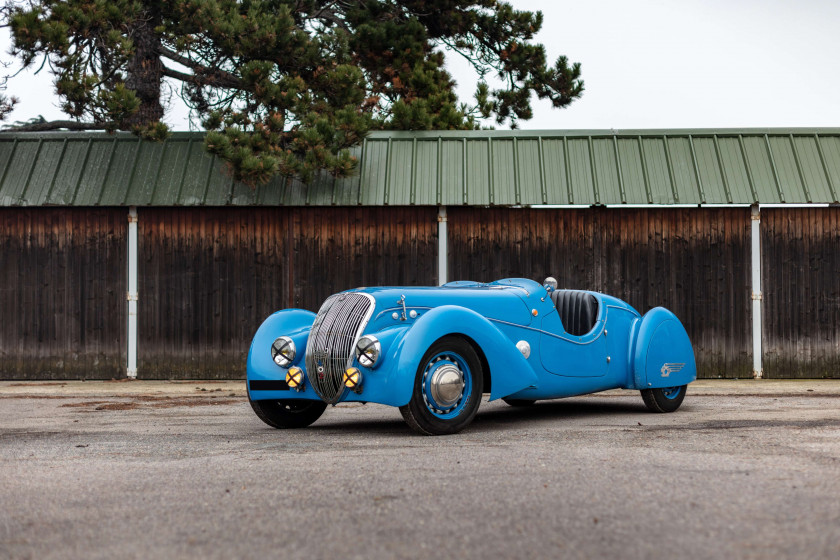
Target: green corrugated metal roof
x,y
486,168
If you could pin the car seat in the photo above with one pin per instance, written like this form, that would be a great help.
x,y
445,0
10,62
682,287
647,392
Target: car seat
x,y
578,310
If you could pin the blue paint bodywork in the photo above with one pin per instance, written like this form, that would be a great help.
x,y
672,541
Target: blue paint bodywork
x,y
623,349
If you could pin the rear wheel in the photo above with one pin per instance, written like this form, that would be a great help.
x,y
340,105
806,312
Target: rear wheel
x,y
289,413
447,388
667,399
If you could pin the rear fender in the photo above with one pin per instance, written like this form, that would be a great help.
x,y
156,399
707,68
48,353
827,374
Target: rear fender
x,y
662,356
509,371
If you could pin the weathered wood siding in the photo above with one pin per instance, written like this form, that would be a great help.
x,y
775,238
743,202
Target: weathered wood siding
x,y
62,293
694,262
210,276
340,248
801,286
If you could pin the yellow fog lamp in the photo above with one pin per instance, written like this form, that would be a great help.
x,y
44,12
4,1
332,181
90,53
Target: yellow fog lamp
x,y
294,378
352,379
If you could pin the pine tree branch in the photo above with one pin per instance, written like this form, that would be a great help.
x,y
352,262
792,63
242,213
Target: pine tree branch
x,y
55,125
193,79
201,74
181,76
328,15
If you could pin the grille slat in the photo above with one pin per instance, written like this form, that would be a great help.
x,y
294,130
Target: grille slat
x,y
337,327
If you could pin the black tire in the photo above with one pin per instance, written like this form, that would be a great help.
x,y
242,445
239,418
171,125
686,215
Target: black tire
x,y
518,402
418,412
663,400
288,414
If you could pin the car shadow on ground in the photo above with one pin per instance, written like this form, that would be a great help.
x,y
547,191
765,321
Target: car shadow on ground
x,y
560,409
493,416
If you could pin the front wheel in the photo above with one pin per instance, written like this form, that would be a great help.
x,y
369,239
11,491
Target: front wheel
x,y
667,399
288,413
447,388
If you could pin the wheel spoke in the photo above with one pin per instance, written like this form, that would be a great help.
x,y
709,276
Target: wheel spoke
x,y
671,392
443,373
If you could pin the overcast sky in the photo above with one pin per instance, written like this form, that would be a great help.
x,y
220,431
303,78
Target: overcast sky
x,y
652,64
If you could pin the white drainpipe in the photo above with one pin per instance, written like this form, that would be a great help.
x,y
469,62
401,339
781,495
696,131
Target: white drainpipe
x,y
131,296
442,250
755,219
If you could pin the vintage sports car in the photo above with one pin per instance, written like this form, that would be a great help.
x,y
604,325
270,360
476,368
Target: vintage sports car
x,y
433,352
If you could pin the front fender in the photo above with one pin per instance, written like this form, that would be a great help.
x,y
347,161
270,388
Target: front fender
x,y
294,323
509,371
662,356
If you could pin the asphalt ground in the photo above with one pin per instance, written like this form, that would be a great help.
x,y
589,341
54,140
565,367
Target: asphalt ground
x,y
745,469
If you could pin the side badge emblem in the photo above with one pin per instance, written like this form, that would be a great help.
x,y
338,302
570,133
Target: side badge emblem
x,y
666,369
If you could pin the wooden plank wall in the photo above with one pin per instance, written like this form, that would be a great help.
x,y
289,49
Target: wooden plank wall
x,y
801,286
341,248
694,262
62,293
208,277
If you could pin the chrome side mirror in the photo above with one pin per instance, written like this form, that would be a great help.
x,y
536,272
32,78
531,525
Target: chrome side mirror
x,y
550,284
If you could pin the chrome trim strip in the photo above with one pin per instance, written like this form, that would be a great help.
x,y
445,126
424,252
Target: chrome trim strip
x,y
361,329
604,321
593,339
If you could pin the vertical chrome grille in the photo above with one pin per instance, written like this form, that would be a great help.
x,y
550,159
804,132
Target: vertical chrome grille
x,y
329,351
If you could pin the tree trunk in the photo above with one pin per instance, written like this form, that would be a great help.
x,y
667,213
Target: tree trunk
x,y
145,69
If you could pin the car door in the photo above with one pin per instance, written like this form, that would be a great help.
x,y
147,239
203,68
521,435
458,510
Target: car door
x,y
573,356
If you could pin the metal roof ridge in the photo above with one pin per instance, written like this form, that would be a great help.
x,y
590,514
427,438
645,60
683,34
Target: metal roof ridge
x,y
119,135
596,133
478,134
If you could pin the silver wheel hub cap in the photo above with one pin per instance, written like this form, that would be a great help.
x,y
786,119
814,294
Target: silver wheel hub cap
x,y
447,385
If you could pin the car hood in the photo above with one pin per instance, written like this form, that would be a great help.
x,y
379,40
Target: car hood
x,y
504,300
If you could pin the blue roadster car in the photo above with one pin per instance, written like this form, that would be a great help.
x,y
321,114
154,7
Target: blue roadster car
x,y
434,351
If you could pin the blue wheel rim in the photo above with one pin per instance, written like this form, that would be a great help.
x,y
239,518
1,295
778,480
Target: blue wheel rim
x,y
671,393
436,361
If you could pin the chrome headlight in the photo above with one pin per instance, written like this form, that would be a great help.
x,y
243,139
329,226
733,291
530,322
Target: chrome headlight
x,y
283,351
368,350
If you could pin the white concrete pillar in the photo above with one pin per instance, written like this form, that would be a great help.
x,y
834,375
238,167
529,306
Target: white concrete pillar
x,y
755,231
131,296
442,246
